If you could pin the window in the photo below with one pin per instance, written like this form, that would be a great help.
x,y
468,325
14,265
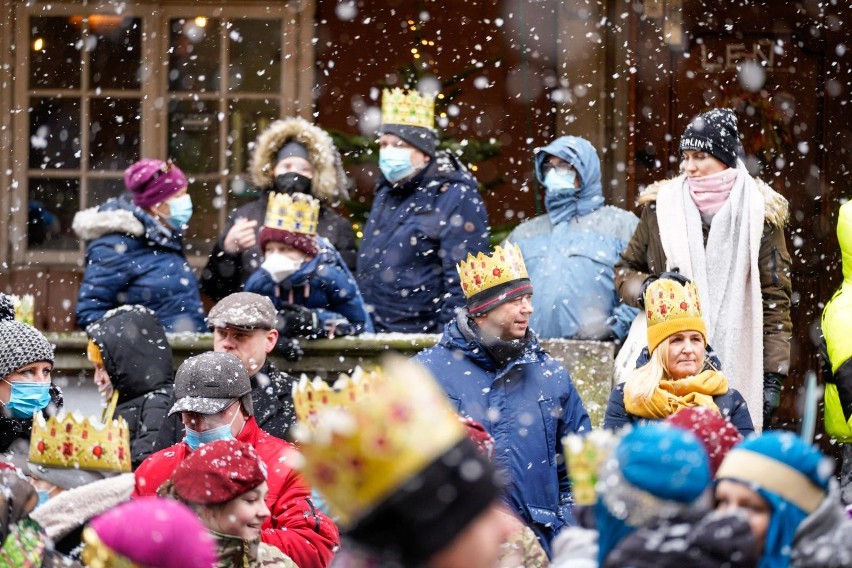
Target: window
x,y
195,84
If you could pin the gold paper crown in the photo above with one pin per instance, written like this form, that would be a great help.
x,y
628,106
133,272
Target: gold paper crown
x,y
24,309
312,397
357,453
483,272
74,442
672,307
297,213
408,108
585,455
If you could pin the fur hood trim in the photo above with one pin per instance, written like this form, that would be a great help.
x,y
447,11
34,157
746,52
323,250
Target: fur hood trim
x,y
330,183
775,206
91,223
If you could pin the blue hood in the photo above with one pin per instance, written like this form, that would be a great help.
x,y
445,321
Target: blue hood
x,y
582,156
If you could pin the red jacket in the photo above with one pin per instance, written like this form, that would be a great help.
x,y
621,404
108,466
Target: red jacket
x,y
295,526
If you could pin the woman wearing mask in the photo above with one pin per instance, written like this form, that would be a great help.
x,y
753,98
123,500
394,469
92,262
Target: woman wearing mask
x,y
134,250
723,229
225,484
291,156
26,362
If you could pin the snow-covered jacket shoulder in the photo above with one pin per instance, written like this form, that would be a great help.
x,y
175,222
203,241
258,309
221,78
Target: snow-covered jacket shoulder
x,y
329,183
824,538
295,527
528,407
416,233
323,284
585,306
124,267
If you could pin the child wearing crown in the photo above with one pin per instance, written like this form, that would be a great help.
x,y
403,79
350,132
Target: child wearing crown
x,y
304,275
677,370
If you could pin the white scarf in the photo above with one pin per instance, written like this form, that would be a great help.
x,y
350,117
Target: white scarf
x,y
726,273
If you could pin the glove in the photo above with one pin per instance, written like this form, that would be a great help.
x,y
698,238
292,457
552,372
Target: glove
x,y
673,274
297,321
288,348
772,384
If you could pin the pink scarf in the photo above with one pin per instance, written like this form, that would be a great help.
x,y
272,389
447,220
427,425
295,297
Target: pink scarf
x,y
709,193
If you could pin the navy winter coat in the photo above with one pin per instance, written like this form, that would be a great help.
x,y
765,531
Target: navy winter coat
x,y
417,231
322,284
527,406
131,258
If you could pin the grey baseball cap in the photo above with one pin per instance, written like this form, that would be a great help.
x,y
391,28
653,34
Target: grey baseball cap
x,y
244,310
209,383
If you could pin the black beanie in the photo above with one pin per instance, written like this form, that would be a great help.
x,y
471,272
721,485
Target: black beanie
x,y
714,132
424,139
424,515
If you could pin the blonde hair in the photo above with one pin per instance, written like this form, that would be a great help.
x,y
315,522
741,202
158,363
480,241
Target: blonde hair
x,y
644,380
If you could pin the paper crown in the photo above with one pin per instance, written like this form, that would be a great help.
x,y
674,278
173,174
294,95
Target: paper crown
x,y
672,307
313,397
408,108
74,442
24,308
357,452
585,455
483,272
296,213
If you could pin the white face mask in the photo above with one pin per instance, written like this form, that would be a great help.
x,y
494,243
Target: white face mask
x,y
280,266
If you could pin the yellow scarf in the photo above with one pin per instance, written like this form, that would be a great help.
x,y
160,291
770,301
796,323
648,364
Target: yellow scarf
x,y
670,396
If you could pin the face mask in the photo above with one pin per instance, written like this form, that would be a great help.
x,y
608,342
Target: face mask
x,y
180,211
559,180
43,496
194,438
27,398
280,266
395,163
291,182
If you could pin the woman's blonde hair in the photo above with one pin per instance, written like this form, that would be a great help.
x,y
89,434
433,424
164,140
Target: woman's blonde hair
x,y
644,380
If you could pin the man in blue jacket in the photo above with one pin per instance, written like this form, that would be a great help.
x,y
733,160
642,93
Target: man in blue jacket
x,y
571,251
494,371
426,215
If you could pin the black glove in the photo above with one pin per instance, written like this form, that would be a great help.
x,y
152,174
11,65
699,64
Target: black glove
x,y
297,321
771,395
674,274
288,348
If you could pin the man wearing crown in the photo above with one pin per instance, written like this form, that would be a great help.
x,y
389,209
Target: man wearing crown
x,y
426,215
495,371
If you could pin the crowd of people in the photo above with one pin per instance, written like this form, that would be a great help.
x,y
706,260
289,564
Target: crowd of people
x,y
477,452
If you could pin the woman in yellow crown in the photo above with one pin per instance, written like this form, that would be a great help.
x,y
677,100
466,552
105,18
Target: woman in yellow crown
x,y
677,370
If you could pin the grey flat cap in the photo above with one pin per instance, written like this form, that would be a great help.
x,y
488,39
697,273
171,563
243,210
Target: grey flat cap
x,y
209,383
245,310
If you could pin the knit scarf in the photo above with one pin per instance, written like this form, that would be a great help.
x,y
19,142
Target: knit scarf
x,y
709,193
673,395
726,273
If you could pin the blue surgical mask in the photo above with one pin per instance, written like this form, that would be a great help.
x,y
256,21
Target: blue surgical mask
x,y
395,163
194,439
27,398
43,496
560,180
180,211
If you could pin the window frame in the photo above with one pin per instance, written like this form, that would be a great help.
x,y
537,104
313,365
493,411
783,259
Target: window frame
x,y
294,97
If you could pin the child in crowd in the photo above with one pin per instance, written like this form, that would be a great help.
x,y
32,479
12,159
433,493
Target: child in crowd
x,y
224,482
309,283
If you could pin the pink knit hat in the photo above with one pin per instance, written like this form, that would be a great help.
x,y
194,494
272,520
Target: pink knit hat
x,y
153,532
153,181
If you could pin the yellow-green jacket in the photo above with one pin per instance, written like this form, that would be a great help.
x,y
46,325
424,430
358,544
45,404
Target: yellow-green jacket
x,y
837,331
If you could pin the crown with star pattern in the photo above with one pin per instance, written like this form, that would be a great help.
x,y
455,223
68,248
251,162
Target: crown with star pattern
x,y
408,108
481,272
296,213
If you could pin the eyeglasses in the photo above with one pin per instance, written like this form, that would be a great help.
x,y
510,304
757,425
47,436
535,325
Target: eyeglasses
x,y
560,169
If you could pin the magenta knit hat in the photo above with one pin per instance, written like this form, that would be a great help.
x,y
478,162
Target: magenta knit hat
x,y
153,181
156,532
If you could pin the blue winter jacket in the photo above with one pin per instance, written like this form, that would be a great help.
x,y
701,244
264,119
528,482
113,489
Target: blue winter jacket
x,y
324,285
528,407
417,231
131,258
570,252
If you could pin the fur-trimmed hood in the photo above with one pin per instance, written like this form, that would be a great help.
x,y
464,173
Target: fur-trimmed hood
x,y
776,207
329,183
122,216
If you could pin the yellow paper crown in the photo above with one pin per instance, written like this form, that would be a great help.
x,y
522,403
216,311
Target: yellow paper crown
x,y
483,272
297,213
24,308
357,453
585,455
408,108
74,442
672,307
313,397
